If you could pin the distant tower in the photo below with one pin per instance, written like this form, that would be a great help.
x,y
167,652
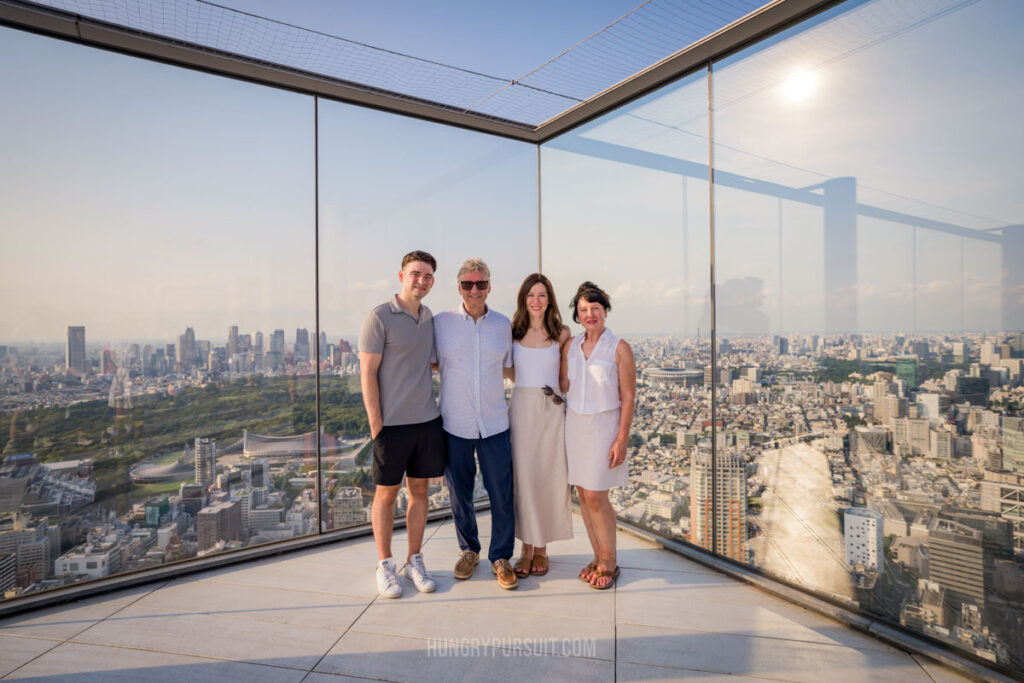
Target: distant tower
x,y
74,354
206,461
301,345
187,349
730,516
232,341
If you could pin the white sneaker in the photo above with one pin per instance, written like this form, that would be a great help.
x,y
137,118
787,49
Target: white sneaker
x,y
387,580
418,574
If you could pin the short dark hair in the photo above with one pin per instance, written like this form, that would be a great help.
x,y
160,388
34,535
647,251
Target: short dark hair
x,y
592,293
419,255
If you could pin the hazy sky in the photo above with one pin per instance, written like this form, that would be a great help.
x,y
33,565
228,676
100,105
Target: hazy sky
x,y
138,198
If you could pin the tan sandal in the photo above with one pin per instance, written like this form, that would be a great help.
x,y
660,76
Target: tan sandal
x,y
587,571
539,566
604,572
522,567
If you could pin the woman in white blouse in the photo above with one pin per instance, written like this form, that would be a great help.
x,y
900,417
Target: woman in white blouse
x,y
602,388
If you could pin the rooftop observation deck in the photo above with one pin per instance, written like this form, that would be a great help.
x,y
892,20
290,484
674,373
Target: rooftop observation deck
x,y
314,615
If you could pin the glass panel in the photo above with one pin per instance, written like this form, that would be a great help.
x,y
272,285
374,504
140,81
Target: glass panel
x,y
867,279
625,205
157,228
389,185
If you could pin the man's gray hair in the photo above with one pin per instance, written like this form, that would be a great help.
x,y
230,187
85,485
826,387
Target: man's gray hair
x,y
473,265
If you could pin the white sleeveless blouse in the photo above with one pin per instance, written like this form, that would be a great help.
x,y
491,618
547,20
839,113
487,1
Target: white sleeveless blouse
x,y
594,382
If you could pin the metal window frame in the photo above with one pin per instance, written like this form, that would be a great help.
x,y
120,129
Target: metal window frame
x,y
757,25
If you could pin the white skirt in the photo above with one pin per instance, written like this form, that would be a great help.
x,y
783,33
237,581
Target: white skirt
x,y
588,438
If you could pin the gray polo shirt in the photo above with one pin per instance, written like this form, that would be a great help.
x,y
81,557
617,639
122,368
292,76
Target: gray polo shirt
x,y
406,346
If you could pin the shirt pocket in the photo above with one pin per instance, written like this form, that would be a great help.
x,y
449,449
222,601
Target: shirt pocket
x,y
602,372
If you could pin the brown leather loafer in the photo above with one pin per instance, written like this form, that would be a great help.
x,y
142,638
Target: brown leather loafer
x,y
506,577
466,564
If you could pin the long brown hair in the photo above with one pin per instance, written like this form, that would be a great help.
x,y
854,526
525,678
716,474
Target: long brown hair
x,y
552,318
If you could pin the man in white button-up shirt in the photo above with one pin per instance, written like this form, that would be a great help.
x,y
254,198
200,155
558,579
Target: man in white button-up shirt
x,y
474,346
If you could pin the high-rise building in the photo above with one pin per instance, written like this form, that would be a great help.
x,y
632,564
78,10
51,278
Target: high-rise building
x,y
862,536
187,352
1013,444
956,561
729,518
232,340
205,454
301,345
74,353
783,346
348,507
219,522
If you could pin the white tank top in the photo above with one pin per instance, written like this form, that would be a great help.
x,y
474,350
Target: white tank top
x,y
536,367
594,382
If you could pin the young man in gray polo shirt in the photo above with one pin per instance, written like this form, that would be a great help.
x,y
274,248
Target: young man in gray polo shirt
x,y
396,345
474,346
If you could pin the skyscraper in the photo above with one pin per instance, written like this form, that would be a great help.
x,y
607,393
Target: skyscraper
x,y
219,522
301,345
729,519
74,354
205,461
232,340
187,349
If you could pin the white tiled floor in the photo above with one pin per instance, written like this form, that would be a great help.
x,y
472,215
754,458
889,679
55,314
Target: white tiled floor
x,y
314,616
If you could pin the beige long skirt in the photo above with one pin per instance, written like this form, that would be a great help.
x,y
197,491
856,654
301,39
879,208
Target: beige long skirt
x,y
538,464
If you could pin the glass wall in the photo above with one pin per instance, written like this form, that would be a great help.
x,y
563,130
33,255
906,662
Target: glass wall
x,y
157,235
389,185
625,205
868,414
867,302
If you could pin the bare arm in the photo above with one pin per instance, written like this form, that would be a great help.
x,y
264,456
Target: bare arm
x,y
627,394
369,364
563,368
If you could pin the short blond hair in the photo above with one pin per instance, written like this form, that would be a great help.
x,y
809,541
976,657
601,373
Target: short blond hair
x,y
473,265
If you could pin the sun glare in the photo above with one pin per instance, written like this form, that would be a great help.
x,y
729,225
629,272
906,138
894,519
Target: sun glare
x,y
800,85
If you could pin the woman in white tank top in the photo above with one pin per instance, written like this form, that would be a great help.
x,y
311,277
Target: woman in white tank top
x,y
602,387
537,421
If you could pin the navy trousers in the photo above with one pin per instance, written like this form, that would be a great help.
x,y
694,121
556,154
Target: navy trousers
x,y
495,455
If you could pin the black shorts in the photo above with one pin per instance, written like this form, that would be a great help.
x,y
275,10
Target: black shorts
x,y
417,450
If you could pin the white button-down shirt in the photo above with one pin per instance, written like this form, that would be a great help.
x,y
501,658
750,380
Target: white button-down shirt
x,y
470,356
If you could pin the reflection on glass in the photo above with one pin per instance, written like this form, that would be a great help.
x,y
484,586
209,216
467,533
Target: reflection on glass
x,y
625,205
389,185
155,380
869,316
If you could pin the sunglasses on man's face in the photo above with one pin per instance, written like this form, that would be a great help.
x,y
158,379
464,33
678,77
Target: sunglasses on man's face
x,y
467,285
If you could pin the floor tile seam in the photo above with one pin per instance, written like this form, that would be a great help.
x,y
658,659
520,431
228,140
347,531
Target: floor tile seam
x,y
888,649
344,633
177,653
214,615
340,676
917,658
503,649
31,637
56,644
281,588
126,605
